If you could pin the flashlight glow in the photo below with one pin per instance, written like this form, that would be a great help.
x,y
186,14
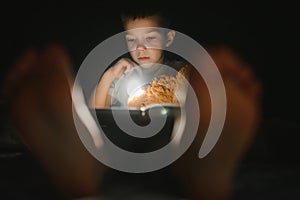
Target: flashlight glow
x,y
137,93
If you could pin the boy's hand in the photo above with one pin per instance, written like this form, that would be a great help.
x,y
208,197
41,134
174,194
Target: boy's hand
x,y
123,66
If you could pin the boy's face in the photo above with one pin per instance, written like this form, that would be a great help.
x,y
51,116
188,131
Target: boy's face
x,y
145,40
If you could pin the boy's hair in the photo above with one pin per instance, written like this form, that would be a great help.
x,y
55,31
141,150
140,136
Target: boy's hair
x,y
140,13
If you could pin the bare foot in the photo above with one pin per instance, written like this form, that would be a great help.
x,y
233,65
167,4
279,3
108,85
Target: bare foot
x,y
210,178
38,90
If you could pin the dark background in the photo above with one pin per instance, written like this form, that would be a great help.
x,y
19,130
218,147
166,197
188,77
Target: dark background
x,y
263,33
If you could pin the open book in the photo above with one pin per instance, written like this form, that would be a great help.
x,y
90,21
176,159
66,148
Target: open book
x,y
163,90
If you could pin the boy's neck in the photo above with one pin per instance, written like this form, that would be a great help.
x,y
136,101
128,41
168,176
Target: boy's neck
x,y
151,69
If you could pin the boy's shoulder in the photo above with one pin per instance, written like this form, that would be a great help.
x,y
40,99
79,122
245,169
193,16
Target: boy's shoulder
x,y
176,64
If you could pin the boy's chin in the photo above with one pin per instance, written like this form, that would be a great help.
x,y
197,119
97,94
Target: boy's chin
x,y
146,65
149,66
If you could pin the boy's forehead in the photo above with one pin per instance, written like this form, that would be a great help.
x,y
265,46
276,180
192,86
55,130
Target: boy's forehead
x,y
144,30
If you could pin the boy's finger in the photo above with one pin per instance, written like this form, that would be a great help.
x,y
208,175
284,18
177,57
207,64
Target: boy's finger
x,y
128,69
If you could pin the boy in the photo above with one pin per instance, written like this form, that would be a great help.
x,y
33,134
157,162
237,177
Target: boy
x,y
145,40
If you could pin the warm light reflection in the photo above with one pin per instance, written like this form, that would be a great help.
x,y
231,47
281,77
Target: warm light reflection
x,y
137,93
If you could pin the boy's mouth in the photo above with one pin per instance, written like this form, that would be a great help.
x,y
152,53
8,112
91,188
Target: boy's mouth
x,y
143,58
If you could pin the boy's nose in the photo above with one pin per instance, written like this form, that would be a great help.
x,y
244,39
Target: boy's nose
x,y
141,46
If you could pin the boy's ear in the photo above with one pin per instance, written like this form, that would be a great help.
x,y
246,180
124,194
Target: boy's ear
x,y
170,37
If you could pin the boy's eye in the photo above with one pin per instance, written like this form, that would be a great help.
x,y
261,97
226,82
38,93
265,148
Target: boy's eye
x,y
150,38
130,39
